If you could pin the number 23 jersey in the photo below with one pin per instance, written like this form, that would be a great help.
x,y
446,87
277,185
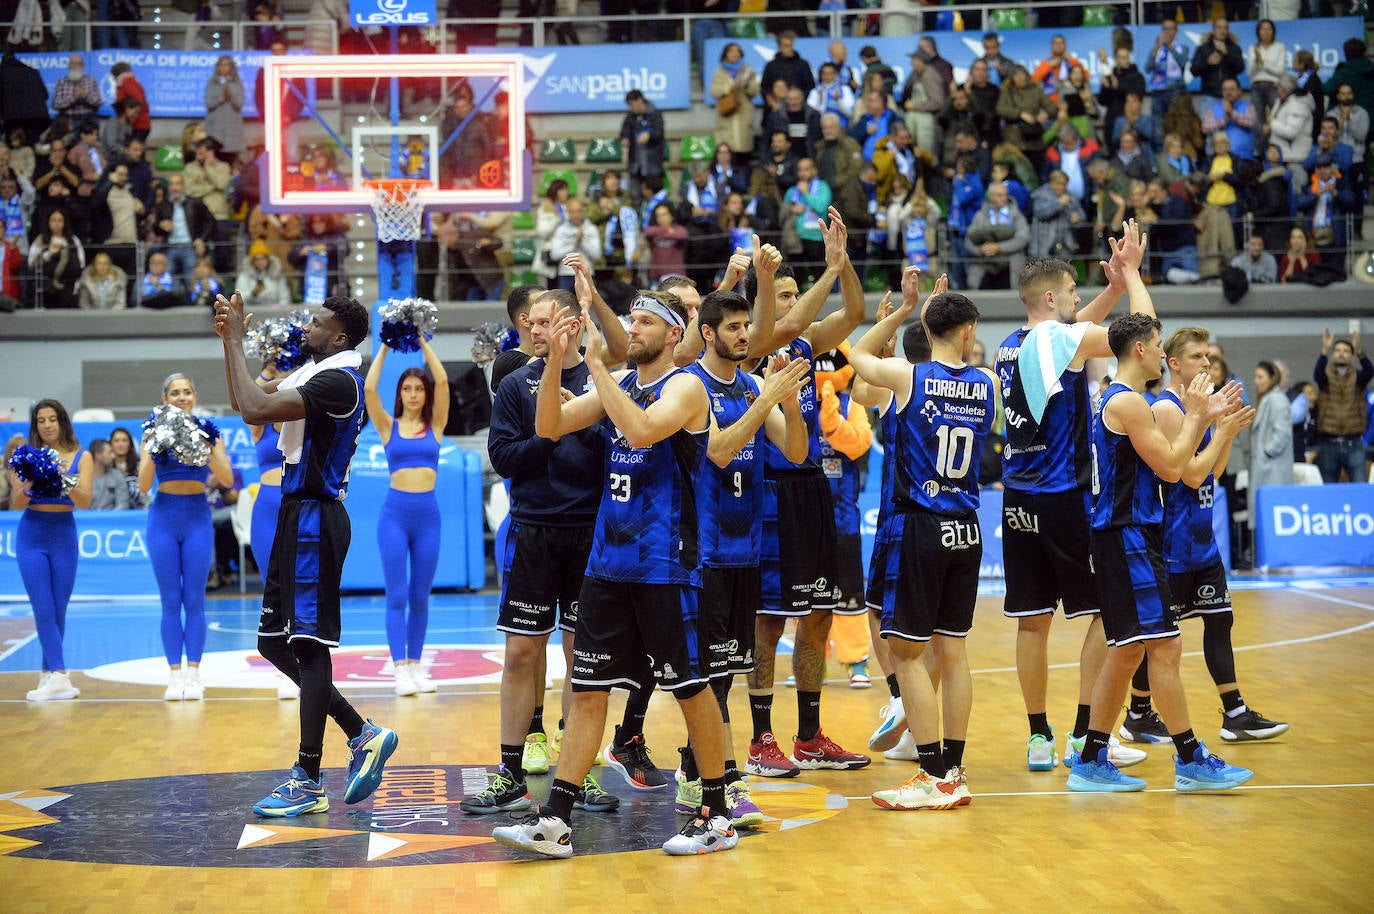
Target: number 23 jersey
x,y
646,528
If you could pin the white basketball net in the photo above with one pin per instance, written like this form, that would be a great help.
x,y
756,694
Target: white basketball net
x,y
399,209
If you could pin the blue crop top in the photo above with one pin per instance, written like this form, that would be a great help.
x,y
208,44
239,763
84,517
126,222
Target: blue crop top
x,y
172,470
269,455
407,453
64,498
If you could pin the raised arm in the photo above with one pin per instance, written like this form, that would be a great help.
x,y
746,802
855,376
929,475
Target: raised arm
x,y
767,259
780,385
1212,458
682,404
439,418
1096,311
835,328
799,319
612,330
1167,457
1127,253
891,373
256,405
372,399
862,392
553,418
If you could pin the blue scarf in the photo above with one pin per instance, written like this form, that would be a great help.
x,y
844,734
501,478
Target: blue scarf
x,y
732,68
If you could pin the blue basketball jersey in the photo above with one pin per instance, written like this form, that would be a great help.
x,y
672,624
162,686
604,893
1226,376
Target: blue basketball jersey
x,y
940,435
334,417
646,530
731,499
1125,489
843,475
1189,544
810,410
1056,459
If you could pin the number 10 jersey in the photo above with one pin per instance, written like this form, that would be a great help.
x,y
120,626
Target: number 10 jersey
x,y
940,435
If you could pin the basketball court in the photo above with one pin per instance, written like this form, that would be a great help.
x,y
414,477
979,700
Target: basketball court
x,y
120,801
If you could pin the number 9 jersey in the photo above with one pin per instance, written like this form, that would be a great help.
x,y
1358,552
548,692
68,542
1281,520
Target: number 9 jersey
x,y
731,499
646,527
940,435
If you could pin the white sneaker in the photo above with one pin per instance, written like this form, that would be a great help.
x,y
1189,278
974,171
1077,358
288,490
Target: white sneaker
x,y
53,687
905,750
703,836
176,688
405,685
191,689
893,725
421,678
286,689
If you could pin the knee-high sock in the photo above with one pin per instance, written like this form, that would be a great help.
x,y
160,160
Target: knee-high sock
x,y
281,656
1217,651
47,553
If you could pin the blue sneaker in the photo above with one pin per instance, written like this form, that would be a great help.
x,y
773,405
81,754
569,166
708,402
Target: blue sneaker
x,y
368,755
298,796
1208,772
1102,776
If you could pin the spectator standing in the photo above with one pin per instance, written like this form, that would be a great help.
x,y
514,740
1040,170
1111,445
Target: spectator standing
x,y
1265,63
895,156
140,171
665,248
552,212
996,240
1235,116
76,95
575,235
1356,71
1271,201
733,86
875,123
1076,105
923,96
22,156
1342,419
323,237
208,180
1271,436
801,123
780,162
1256,263
1310,85
1071,156
941,66
642,134
88,159
16,206
58,258
185,227
1122,80
838,160
115,132
832,96
873,65
1055,218
1218,58
261,281
473,144
1026,110
103,287
846,74
115,216
224,98
1165,71
1289,125
788,64
808,201
1055,69
1133,118
983,95
999,66
128,86
1182,121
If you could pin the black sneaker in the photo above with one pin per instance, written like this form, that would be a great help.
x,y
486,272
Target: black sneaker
x,y
1249,725
1147,728
631,761
504,795
593,799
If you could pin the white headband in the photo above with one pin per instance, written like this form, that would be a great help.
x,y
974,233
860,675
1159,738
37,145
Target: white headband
x,y
654,306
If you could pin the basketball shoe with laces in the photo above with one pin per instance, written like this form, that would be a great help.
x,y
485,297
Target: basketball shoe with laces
x,y
820,751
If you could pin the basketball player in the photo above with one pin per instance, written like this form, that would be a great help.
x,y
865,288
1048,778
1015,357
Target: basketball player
x,y
640,595
1197,579
321,406
1045,471
555,490
799,540
729,488
944,412
1131,456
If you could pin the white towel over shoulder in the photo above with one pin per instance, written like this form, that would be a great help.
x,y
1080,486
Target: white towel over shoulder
x,y
293,432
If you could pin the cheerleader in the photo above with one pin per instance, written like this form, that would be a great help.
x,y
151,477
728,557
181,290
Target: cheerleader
x,y
181,541
408,527
46,547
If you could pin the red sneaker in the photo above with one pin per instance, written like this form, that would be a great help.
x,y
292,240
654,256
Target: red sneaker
x,y
822,752
767,760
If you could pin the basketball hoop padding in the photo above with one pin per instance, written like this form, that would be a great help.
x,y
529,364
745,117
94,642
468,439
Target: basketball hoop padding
x,y
398,206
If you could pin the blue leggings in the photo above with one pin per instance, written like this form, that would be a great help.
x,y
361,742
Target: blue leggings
x,y
47,555
181,544
408,528
264,526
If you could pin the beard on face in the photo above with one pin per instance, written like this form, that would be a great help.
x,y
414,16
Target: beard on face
x,y
727,351
644,351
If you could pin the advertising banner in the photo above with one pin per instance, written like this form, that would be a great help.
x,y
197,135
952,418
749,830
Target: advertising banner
x,y
1330,524
594,77
363,13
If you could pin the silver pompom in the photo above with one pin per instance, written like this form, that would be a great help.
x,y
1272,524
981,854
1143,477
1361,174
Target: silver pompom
x,y
406,321
264,339
178,435
486,345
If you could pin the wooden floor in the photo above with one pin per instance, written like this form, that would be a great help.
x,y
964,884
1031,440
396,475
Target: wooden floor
x,y
1299,838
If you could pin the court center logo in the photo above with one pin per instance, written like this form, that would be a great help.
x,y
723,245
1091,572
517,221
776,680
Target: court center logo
x,y
206,820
